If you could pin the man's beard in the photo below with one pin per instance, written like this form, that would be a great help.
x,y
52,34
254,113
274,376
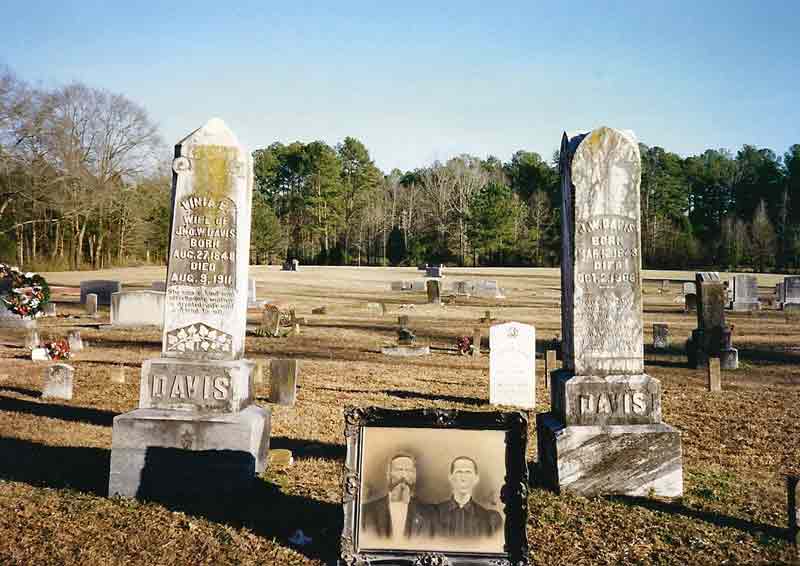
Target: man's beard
x,y
400,490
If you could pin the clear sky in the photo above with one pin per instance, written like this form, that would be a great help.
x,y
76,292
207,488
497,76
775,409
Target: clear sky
x,y
419,81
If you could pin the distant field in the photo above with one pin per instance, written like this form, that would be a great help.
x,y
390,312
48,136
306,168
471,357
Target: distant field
x,y
54,457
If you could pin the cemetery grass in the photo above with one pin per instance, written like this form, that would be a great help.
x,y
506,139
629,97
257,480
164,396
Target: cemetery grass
x,y
55,454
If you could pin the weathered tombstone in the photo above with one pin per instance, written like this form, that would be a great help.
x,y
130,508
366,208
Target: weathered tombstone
x,y
402,320
714,381
74,340
118,374
158,286
779,296
712,337
58,382
137,308
270,321
604,433
102,288
550,365
197,432
283,382
660,335
792,482
295,265
791,293
665,285
745,293
91,304
50,309
512,365
434,289
477,335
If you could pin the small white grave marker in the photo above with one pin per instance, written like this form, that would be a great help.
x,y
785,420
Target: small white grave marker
x,y
512,365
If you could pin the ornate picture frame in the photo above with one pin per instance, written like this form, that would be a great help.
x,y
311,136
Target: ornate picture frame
x,y
510,435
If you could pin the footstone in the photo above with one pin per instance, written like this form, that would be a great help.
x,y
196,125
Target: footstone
x,y
160,453
91,304
634,460
58,381
118,374
713,379
100,287
604,432
75,341
660,335
137,308
283,382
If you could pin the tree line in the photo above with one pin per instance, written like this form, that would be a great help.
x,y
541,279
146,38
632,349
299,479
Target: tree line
x,y
84,182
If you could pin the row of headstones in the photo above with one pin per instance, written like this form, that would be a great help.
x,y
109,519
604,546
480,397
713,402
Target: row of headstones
x,y
485,288
742,293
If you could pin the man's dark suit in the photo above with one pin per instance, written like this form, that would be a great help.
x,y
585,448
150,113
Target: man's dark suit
x,y
376,519
472,520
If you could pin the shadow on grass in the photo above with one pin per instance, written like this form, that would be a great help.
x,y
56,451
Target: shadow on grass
x,y
21,391
400,394
81,468
717,519
262,508
69,413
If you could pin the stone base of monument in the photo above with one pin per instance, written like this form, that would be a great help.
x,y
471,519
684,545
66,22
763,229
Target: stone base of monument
x,y
165,453
634,460
406,351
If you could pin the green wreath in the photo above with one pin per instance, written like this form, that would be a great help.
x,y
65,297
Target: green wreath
x,y
24,294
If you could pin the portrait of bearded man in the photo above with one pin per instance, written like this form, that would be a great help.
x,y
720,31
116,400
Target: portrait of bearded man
x,y
398,515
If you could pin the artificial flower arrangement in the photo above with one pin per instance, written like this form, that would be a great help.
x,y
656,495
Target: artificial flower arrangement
x,y
26,293
58,350
464,344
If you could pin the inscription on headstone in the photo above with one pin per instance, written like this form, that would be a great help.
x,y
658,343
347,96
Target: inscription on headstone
x,y
512,365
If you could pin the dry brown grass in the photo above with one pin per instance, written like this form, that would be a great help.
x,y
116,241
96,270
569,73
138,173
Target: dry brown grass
x,y
54,456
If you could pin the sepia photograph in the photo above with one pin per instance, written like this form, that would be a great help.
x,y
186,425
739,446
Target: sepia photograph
x,y
432,489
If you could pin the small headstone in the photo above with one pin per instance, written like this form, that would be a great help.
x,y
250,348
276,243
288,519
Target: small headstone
x,y
374,308
58,382
714,382
280,458
102,288
137,308
402,320
91,304
745,293
283,383
660,335
405,337
32,340
488,289
665,285
690,304
689,287
50,309
791,292
270,321
74,340
779,296
296,329
550,365
40,355
512,365
477,334
118,374
434,289
295,265
319,310
260,371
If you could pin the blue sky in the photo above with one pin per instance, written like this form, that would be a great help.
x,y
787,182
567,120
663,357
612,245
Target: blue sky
x,y
419,81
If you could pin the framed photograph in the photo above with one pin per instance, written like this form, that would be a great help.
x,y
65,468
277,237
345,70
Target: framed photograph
x,y
435,487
